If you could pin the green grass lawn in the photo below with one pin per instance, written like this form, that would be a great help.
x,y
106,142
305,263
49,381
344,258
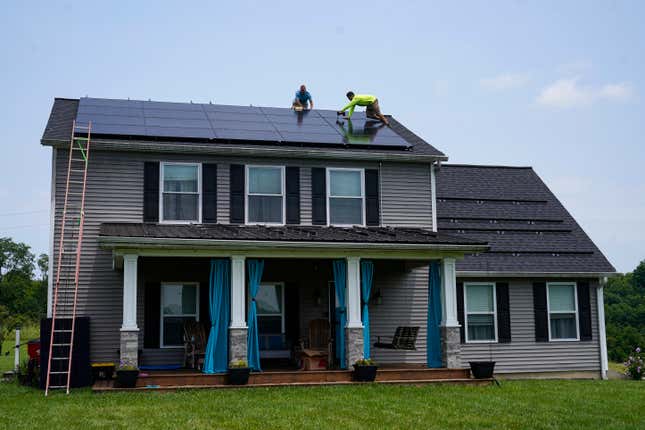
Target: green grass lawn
x,y
6,361
516,405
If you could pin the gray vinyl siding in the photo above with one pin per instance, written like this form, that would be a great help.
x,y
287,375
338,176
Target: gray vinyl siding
x,y
406,198
524,354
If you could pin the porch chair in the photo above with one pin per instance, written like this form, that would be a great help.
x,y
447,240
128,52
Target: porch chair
x,y
404,338
316,349
194,344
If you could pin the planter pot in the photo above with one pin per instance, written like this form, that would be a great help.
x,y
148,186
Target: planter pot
x,y
365,373
238,375
482,369
127,378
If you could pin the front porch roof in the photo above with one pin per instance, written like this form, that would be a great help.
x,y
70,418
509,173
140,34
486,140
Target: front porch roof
x,y
256,237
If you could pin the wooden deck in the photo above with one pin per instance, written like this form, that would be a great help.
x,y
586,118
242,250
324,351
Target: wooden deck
x,y
187,379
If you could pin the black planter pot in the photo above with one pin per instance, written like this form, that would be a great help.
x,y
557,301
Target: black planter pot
x,y
365,373
482,369
127,378
238,375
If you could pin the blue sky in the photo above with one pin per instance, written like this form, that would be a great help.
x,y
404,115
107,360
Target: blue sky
x,y
555,85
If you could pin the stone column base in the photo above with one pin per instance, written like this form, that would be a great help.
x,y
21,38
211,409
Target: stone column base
x,y
237,338
129,352
450,347
353,345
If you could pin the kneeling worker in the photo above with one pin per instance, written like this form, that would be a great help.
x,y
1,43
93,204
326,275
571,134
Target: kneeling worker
x,y
372,108
302,97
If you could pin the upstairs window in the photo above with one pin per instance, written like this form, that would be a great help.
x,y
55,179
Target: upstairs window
x,y
180,192
562,302
179,304
346,197
481,310
265,195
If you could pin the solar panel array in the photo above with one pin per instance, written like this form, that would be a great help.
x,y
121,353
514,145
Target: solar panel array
x,y
224,122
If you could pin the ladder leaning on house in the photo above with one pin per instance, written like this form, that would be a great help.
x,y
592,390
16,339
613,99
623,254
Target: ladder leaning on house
x,y
70,239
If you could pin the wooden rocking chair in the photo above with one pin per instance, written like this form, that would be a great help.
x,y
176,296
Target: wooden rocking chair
x,y
194,344
404,338
316,349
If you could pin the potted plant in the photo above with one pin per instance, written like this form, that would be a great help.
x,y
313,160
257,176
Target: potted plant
x,y
365,370
126,375
238,372
635,365
483,369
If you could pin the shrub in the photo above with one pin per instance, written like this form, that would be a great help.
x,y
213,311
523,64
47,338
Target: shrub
x,y
635,365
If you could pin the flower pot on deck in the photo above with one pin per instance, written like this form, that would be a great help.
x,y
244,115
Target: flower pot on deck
x,y
482,369
364,373
127,378
238,375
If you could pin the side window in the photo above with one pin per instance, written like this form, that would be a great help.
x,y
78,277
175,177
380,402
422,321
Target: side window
x,y
180,197
481,312
265,195
179,303
346,197
563,310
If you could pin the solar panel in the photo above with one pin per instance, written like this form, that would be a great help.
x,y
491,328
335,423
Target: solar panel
x,y
150,119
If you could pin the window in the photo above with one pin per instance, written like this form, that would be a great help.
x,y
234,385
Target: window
x,y
562,302
179,303
345,191
180,192
270,306
481,312
265,195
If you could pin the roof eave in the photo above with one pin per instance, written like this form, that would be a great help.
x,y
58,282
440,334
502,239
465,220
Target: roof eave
x,y
521,274
248,150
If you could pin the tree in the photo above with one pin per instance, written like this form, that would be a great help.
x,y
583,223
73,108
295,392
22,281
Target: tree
x,y
43,266
639,275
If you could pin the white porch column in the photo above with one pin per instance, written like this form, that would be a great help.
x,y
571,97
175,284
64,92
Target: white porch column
x,y
602,336
130,293
449,293
238,292
353,293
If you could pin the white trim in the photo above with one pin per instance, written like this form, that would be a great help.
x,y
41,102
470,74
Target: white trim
x,y
353,293
575,303
282,294
52,226
162,165
602,336
494,313
238,292
130,269
361,172
449,293
161,315
433,195
283,193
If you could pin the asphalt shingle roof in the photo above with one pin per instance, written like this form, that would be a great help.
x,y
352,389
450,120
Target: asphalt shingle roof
x,y
512,209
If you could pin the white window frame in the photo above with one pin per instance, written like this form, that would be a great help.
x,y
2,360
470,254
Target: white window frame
x,y
282,314
162,166
246,194
494,313
329,196
161,316
575,303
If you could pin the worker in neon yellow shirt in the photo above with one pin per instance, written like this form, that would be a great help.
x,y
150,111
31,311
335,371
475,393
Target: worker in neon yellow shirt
x,y
370,102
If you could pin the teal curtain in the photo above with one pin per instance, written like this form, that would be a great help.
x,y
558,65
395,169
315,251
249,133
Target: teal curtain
x,y
434,316
219,294
340,280
255,269
367,273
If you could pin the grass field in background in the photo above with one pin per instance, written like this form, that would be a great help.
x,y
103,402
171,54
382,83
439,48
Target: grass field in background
x,y
535,404
26,333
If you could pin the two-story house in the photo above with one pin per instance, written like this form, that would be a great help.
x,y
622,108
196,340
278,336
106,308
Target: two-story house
x,y
257,221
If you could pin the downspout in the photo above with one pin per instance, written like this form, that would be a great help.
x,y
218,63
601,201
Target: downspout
x,y
52,215
601,327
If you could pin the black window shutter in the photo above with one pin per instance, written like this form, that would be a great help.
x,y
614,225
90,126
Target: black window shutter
x,y
372,208
151,191
237,194
503,313
209,193
584,310
293,194
540,312
460,311
318,196
151,314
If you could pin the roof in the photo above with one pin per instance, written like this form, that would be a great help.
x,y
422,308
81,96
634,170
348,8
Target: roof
x,y
64,111
512,209
312,234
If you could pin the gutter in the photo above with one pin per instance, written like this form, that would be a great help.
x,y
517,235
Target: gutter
x,y
498,274
255,151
